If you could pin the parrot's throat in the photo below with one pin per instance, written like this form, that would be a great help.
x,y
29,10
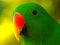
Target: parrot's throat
x,y
29,41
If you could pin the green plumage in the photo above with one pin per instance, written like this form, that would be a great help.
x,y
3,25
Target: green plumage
x,y
41,28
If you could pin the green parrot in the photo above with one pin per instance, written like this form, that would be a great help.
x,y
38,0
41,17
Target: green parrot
x,y
35,26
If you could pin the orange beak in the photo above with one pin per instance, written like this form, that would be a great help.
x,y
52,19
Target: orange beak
x,y
18,21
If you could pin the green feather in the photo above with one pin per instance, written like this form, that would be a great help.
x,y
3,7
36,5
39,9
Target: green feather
x,y
41,27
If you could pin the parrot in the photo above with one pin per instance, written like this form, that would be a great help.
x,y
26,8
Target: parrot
x,y
35,26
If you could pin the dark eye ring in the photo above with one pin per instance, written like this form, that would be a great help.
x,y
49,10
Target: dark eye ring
x,y
34,12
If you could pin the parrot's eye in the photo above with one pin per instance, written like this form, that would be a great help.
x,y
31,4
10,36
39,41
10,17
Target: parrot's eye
x,y
34,12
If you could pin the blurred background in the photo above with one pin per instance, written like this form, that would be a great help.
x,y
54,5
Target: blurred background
x,y
6,12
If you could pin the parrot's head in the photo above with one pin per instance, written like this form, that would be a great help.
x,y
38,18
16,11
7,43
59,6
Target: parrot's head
x,y
31,20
